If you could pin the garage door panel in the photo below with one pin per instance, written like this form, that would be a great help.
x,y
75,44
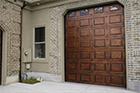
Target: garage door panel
x,y
117,80
85,77
99,66
99,32
100,55
71,55
71,44
84,33
116,30
115,19
99,43
84,22
85,44
100,79
116,55
71,24
85,66
71,34
85,55
116,42
99,21
71,76
116,67
71,65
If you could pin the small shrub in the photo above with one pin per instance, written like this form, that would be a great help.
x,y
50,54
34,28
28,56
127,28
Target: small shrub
x,y
31,80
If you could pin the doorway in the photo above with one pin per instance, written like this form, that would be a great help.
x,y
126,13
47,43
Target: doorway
x,y
95,46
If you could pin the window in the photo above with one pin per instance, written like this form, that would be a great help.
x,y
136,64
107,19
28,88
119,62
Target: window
x,y
84,12
39,42
112,8
99,10
72,14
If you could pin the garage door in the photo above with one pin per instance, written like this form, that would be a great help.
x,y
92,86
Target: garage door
x,y
0,55
95,46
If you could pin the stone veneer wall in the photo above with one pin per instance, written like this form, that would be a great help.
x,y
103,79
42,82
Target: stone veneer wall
x,y
132,34
10,22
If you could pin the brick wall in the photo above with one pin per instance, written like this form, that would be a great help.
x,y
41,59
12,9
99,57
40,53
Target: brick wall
x,y
10,22
134,48
132,35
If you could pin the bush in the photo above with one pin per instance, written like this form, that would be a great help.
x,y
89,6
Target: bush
x,y
31,80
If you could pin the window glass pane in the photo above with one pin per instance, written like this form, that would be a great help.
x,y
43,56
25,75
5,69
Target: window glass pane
x,y
40,34
113,8
39,50
84,12
99,10
71,14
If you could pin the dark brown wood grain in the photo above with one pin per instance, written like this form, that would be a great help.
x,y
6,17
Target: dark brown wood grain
x,y
0,56
95,46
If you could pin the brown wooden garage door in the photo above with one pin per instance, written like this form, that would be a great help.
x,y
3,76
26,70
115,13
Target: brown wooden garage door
x,y
0,55
95,46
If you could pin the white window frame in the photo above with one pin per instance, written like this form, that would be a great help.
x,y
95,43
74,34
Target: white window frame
x,y
39,59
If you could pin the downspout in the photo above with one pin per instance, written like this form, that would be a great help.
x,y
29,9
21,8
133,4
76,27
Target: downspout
x,y
24,4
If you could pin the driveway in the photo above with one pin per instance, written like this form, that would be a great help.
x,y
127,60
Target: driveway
x,y
53,87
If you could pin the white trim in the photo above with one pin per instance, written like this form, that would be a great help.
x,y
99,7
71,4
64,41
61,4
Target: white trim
x,y
33,45
4,57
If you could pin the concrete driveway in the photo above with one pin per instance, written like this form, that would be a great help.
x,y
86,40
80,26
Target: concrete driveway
x,y
53,87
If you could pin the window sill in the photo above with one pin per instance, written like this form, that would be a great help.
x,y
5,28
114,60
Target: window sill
x,y
40,60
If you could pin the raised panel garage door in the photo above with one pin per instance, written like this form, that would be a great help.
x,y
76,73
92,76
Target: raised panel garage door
x,y
95,46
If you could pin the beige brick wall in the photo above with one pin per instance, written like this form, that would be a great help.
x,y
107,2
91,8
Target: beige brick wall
x,y
132,34
10,22
134,48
